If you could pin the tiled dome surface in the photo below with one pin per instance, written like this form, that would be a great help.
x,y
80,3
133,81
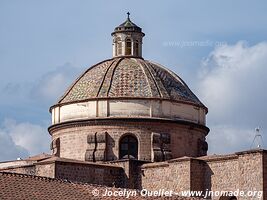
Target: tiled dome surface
x,y
128,77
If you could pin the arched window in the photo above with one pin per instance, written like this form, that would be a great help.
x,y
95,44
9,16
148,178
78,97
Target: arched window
x,y
119,47
128,147
136,48
128,47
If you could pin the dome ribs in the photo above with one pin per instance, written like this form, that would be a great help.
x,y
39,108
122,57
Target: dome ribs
x,y
129,80
155,91
158,81
107,79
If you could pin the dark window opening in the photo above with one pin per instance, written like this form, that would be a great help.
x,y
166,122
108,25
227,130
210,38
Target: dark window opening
x,y
128,50
128,147
136,48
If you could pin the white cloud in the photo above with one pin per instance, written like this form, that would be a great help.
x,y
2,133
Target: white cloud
x,y
233,86
29,101
229,139
53,84
9,150
22,139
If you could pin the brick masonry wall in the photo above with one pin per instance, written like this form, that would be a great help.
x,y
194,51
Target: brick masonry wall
x,y
170,176
250,175
96,174
21,170
15,163
222,174
242,171
133,172
197,175
73,139
47,170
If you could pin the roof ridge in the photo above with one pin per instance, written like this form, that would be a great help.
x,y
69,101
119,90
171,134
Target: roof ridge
x,y
104,77
44,178
112,74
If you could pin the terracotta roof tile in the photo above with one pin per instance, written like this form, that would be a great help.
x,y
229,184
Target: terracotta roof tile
x,y
28,187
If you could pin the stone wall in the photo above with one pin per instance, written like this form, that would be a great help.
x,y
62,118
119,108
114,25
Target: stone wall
x,y
197,175
47,170
186,140
90,173
241,171
244,171
133,172
222,173
250,175
102,174
14,163
174,175
29,169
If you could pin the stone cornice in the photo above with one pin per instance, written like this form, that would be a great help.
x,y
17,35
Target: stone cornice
x,y
113,120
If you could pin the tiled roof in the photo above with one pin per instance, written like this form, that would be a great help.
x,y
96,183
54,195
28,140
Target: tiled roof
x,y
39,157
26,187
129,78
128,25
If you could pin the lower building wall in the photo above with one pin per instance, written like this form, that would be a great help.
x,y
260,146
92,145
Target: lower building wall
x,y
21,170
133,172
244,171
14,163
250,175
197,175
106,175
47,170
221,175
96,174
173,175
241,172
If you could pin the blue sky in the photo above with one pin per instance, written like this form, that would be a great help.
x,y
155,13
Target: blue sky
x,y
44,45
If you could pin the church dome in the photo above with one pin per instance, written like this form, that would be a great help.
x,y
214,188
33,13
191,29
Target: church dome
x,y
128,107
129,78
128,86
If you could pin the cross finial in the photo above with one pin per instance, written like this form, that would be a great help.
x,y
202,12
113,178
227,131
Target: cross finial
x,y
128,15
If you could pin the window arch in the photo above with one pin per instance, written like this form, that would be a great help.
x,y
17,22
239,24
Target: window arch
x,y
128,47
128,147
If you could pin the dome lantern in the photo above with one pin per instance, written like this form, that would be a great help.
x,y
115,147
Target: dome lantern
x,y
127,39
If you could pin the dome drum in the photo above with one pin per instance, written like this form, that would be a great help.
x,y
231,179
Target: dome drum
x,y
128,108
156,140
